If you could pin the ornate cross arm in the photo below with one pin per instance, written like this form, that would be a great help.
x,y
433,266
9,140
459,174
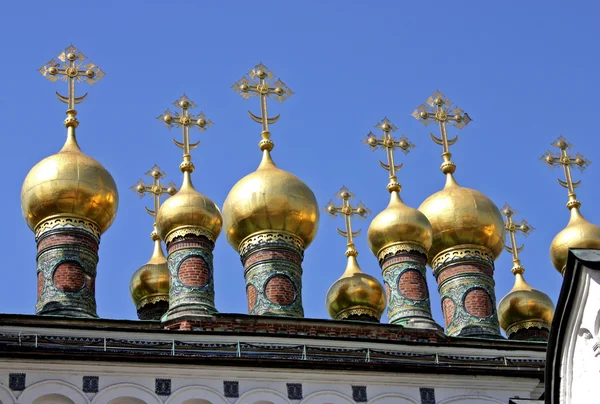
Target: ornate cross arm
x,y
437,109
185,120
347,210
512,228
258,82
389,143
567,161
71,69
155,188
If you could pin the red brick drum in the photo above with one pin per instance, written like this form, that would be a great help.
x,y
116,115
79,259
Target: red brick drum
x,y
411,285
478,303
448,308
280,290
193,272
251,293
69,277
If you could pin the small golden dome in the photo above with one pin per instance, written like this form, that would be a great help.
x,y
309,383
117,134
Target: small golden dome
x,y
398,223
524,307
579,233
270,199
462,216
69,183
355,293
151,282
189,208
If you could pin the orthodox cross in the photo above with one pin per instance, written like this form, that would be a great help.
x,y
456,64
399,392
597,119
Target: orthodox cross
x,y
155,188
258,83
389,143
186,121
71,70
347,210
512,228
439,111
566,161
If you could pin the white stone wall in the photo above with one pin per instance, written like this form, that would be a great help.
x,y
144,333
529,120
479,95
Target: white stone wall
x,y
60,382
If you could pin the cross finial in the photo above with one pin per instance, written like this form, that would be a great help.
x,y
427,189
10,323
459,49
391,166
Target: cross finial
x,y
512,228
156,189
71,69
565,160
258,82
347,210
389,143
438,110
185,120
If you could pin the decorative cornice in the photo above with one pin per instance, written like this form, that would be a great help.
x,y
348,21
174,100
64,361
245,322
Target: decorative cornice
x,y
269,236
152,299
185,230
523,325
362,311
63,221
395,248
462,253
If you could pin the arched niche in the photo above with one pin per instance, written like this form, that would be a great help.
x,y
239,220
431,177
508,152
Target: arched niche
x,y
126,393
126,400
327,397
53,399
196,395
53,391
263,396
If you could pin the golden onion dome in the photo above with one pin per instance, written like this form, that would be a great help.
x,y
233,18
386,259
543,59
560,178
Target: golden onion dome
x,y
524,307
463,216
270,199
355,293
399,223
151,282
579,233
188,208
72,184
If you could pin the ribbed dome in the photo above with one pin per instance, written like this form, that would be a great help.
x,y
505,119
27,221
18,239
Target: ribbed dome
x,y
69,183
463,216
399,223
355,293
524,305
151,282
270,199
188,208
579,233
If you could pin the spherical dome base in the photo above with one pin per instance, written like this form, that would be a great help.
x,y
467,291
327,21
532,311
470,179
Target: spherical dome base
x,y
270,199
399,223
355,293
463,216
579,233
69,183
524,306
188,208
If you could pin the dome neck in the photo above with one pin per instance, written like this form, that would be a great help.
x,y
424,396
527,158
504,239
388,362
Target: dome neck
x,y
576,215
71,124
352,267
450,181
187,181
520,283
266,162
395,199
158,256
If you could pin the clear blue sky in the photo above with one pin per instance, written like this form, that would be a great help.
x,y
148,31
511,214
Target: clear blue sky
x,y
526,72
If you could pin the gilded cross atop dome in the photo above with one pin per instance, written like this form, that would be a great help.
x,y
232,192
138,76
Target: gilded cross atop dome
x,y
512,228
389,143
155,188
437,109
567,161
258,82
185,120
347,210
71,69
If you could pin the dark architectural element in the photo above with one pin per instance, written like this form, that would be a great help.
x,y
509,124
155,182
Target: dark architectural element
x,y
163,387
231,389
294,391
427,395
90,384
359,394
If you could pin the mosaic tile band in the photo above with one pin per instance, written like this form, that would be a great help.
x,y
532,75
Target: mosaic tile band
x,y
273,273
66,271
190,262
466,287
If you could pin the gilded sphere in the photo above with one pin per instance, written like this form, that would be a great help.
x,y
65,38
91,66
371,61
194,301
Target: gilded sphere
x,y
579,233
524,304
244,87
90,73
462,216
52,71
69,183
71,56
261,74
201,122
188,208
399,223
150,282
141,188
168,119
184,104
423,114
355,293
279,91
270,199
